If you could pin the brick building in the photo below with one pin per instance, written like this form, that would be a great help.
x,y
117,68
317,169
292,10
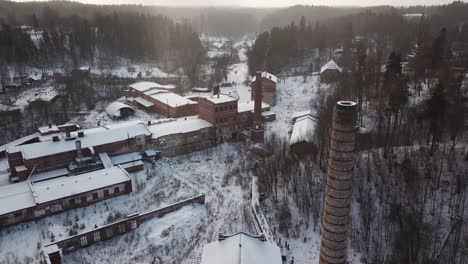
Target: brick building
x,y
268,88
26,201
162,100
61,150
221,111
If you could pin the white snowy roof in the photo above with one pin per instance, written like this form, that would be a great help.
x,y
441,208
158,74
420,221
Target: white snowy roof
x,y
145,86
249,106
267,75
223,98
299,114
155,91
241,249
331,65
15,197
126,158
303,130
181,125
172,99
85,68
48,175
40,149
54,189
113,109
47,129
143,102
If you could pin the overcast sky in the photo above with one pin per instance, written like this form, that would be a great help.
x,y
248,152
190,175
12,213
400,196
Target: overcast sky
x,y
267,3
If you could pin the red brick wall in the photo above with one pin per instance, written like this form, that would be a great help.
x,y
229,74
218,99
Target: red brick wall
x,y
268,90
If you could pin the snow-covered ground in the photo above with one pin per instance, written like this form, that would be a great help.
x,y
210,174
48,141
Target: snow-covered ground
x,y
219,172
43,93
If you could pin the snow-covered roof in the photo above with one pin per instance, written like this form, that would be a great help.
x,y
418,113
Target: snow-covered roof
x,y
331,65
8,108
143,102
178,126
241,249
222,98
267,75
299,114
46,148
249,106
48,175
172,99
58,188
35,76
113,109
46,129
155,91
145,86
303,130
15,197
126,158
85,68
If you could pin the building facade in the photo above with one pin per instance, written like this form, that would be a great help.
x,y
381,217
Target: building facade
x,y
268,88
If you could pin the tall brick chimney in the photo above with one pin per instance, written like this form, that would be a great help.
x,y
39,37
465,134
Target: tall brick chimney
x,y
258,99
257,132
333,246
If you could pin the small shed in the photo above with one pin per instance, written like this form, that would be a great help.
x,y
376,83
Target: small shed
x,y
302,137
330,72
119,110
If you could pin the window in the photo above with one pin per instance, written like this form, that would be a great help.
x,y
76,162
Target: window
x,y
109,232
106,193
83,241
116,189
83,199
134,224
97,236
72,201
121,228
95,196
230,107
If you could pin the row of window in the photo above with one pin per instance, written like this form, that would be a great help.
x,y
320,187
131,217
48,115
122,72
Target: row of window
x,y
225,108
95,196
109,233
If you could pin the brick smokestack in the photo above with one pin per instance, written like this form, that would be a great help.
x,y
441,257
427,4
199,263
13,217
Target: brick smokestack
x,y
333,246
257,118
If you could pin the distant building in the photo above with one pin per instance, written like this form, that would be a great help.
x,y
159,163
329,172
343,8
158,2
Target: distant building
x,y
330,72
241,248
302,137
119,110
26,201
60,150
161,99
413,16
268,88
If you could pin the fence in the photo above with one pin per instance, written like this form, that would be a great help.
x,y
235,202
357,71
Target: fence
x,y
69,244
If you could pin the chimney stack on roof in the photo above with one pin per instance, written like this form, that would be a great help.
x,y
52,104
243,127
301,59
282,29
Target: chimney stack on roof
x,y
335,223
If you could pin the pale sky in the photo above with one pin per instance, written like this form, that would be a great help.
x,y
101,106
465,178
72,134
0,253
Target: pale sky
x,y
267,3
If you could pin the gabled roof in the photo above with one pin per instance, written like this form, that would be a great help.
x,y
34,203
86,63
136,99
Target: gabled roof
x,y
304,130
331,65
266,75
241,248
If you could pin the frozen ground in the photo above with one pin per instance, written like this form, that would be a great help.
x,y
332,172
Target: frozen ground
x,y
217,172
